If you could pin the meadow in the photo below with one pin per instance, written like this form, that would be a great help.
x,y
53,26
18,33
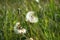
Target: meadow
x,y
13,11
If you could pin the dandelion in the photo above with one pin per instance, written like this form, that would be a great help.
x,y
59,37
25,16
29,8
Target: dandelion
x,y
31,38
37,1
23,30
31,18
18,29
34,20
28,15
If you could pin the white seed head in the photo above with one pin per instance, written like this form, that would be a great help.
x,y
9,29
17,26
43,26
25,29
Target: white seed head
x,y
31,18
16,29
31,38
37,1
19,31
23,31
34,20
28,15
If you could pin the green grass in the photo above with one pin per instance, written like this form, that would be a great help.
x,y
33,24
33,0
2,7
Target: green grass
x,y
48,27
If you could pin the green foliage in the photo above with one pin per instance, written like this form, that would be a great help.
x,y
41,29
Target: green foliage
x,y
12,11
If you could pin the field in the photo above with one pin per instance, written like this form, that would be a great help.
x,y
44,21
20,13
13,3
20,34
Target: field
x,y
13,11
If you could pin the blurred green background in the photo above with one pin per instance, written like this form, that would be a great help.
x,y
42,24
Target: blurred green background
x,y
47,11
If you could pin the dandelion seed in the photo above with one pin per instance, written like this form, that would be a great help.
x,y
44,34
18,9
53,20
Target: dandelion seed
x,y
31,18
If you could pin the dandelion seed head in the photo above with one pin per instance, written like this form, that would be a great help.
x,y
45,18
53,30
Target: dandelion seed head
x,y
31,18
37,1
23,31
18,29
31,38
28,15
34,20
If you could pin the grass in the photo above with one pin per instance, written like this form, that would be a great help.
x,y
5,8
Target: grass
x,y
12,11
